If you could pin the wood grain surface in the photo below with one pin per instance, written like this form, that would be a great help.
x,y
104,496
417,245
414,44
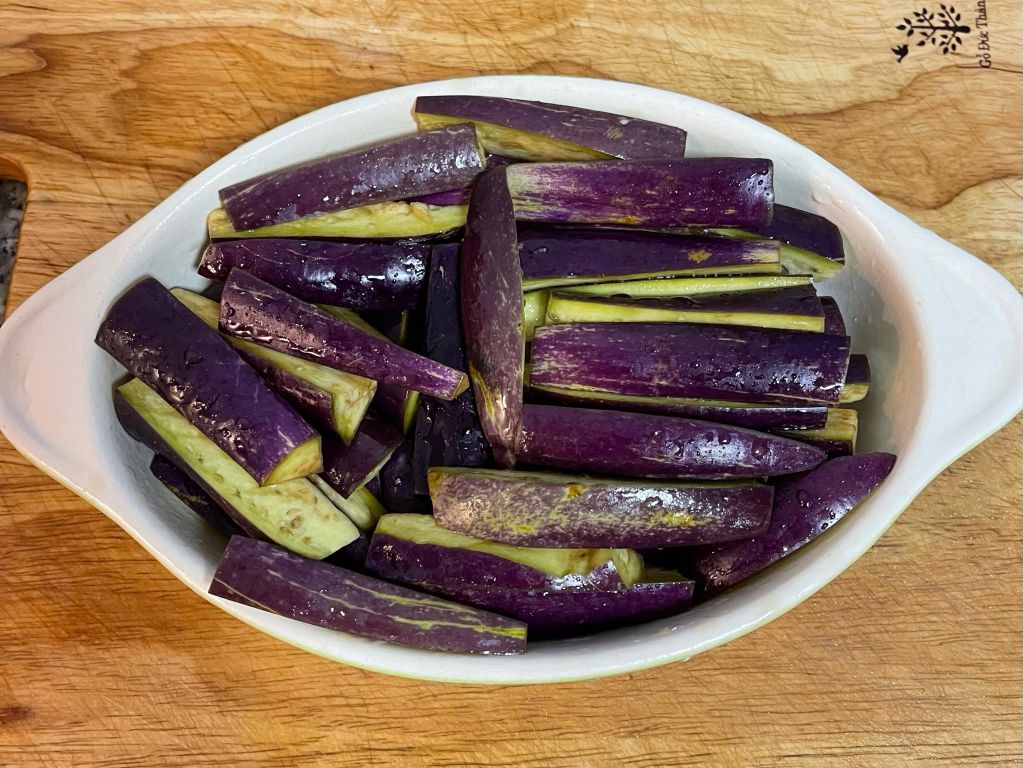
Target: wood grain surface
x,y
911,658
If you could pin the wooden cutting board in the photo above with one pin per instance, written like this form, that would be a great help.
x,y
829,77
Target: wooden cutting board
x,y
912,657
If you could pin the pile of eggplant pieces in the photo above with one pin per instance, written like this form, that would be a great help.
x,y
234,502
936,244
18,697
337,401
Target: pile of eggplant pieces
x,y
530,368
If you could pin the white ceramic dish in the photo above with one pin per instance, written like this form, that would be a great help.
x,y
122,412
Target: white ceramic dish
x,y
943,330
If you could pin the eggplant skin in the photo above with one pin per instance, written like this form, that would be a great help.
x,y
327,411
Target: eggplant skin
x,y
602,133
191,494
696,192
294,513
492,318
448,432
352,556
413,549
804,507
797,308
163,343
432,566
256,311
751,416
550,614
264,576
347,467
363,276
626,444
541,509
552,256
429,162
805,230
398,482
716,362
834,323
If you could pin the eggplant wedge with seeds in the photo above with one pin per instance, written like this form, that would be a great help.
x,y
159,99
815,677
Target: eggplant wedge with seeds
x,y
293,513
396,403
191,494
362,507
534,311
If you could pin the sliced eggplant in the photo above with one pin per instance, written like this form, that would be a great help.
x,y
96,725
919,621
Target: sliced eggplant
x,y
857,380
335,399
537,131
750,415
263,576
346,468
256,311
293,513
362,507
796,260
491,297
434,161
388,221
686,360
400,406
834,323
804,507
448,432
559,614
534,311
352,556
543,509
394,325
413,549
553,257
623,444
697,192
837,436
398,482
795,309
397,404
192,495
667,287
161,342
359,275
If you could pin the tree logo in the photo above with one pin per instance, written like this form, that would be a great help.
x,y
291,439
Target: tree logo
x,y
940,28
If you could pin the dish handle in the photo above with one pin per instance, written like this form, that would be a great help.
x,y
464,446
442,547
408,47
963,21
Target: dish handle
x,y
975,371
